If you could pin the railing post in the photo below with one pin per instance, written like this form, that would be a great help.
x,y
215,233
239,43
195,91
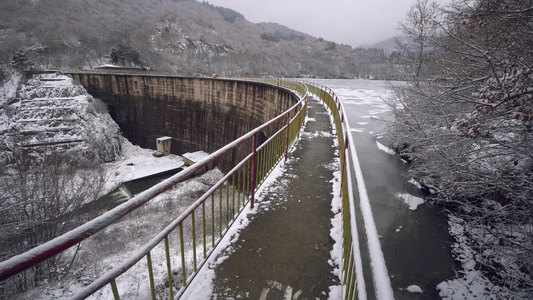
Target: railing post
x,y
300,120
169,269
287,137
254,170
343,162
151,275
114,289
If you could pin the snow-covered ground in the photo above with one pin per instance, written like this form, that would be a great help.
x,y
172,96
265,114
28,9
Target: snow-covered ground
x,y
470,282
136,162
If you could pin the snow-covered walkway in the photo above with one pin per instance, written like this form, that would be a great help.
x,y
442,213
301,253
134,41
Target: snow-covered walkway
x,y
283,249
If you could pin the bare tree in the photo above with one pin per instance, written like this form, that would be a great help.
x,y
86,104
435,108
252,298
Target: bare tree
x,y
467,126
40,198
420,28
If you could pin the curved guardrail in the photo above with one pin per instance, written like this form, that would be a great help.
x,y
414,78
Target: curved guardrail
x,y
355,205
209,217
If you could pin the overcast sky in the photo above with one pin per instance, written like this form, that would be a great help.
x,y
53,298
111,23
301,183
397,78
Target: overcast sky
x,y
352,22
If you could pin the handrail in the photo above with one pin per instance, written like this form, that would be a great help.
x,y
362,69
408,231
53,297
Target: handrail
x,y
354,286
261,161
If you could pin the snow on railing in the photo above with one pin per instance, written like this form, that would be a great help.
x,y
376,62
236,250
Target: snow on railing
x,y
354,286
232,192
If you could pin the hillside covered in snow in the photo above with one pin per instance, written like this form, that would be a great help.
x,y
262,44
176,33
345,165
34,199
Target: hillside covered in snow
x,y
50,112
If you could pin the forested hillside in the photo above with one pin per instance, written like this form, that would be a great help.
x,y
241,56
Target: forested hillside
x,y
182,36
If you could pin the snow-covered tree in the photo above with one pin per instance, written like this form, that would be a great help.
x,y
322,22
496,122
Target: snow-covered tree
x,y
124,54
41,197
467,125
420,28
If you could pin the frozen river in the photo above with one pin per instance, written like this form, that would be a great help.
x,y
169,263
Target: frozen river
x,y
414,239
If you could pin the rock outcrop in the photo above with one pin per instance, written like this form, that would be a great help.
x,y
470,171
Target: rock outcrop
x,y
51,112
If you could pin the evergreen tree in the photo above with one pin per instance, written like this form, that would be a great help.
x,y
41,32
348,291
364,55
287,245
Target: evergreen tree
x,y
124,54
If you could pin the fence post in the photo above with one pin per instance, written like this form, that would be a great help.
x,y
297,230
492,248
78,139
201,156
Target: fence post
x,y
254,170
287,137
300,120
344,162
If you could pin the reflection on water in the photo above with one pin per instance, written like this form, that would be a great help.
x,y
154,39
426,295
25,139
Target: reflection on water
x,y
415,243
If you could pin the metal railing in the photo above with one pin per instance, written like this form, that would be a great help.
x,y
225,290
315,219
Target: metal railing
x,y
355,204
200,227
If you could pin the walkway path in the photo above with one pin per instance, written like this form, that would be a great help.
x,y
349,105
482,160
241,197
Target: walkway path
x,y
283,253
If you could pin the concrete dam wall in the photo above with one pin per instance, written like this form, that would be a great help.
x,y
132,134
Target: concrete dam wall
x,y
198,113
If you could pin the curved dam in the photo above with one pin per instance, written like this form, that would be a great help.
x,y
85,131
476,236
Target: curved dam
x,y
198,113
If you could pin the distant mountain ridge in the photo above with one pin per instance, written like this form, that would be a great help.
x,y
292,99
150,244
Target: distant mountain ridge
x,y
388,45
183,36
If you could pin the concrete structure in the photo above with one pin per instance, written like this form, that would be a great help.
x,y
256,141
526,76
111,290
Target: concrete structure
x,y
190,159
199,113
164,144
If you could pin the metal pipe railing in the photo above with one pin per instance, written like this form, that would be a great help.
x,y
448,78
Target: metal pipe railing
x,y
233,191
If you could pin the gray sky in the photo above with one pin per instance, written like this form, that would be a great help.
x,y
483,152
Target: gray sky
x,y
352,22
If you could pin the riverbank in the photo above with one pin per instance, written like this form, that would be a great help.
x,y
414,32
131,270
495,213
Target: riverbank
x,y
475,244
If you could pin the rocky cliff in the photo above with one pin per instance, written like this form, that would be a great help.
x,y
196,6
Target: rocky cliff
x,y
51,113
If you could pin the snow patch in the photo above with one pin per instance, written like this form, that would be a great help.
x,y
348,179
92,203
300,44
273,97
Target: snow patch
x,y
470,282
415,183
415,289
411,200
385,148
136,162
335,291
